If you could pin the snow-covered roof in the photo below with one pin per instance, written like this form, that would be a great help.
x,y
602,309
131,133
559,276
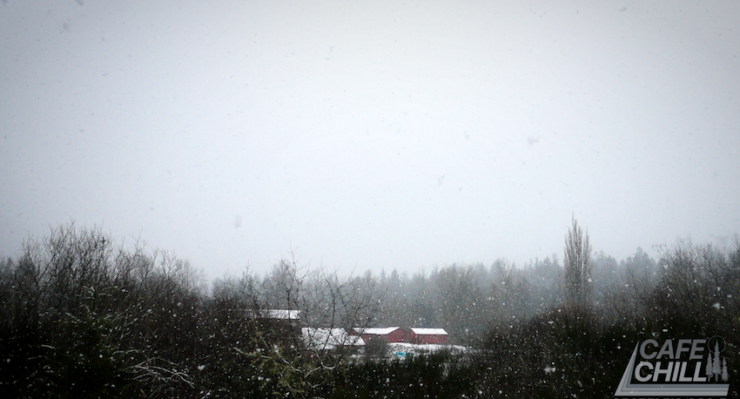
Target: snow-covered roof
x,y
329,338
429,331
282,314
376,331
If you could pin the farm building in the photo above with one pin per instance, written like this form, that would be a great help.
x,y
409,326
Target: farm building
x,y
389,334
281,322
329,339
281,314
422,336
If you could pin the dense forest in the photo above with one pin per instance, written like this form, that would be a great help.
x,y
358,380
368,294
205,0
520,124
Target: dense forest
x,y
85,317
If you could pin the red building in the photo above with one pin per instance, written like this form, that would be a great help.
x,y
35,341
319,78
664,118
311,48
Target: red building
x,y
427,336
390,334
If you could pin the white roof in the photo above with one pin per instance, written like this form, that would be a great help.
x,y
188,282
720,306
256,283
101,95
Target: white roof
x,y
429,331
329,338
377,331
282,314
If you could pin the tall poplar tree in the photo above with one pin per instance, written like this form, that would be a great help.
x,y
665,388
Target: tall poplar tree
x,y
577,267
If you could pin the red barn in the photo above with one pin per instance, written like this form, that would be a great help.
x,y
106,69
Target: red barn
x,y
390,334
428,336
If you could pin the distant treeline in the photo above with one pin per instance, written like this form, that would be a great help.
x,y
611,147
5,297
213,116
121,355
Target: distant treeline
x,y
468,300
83,317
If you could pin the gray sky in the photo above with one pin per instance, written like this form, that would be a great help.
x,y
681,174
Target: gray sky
x,y
368,135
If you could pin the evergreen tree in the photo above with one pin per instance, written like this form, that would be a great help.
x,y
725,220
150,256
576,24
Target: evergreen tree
x,y
716,369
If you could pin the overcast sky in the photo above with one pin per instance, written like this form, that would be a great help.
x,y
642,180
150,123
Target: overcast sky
x,y
370,134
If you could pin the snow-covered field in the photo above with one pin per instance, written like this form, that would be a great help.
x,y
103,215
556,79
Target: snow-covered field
x,y
403,350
